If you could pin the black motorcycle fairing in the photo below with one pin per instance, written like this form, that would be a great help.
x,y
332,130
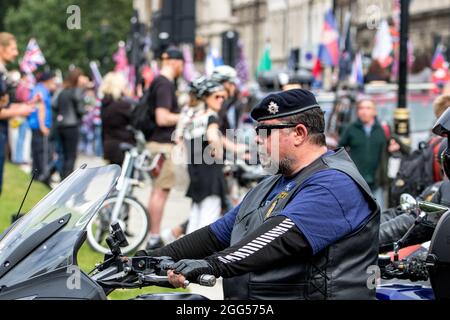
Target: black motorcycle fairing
x,y
32,243
38,251
45,269
81,239
56,285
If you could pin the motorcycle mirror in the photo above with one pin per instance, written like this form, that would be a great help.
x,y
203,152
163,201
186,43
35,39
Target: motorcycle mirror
x,y
442,126
116,239
407,202
432,207
433,211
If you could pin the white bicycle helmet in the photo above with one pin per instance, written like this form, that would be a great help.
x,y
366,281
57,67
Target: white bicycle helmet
x,y
210,86
196,87
224,74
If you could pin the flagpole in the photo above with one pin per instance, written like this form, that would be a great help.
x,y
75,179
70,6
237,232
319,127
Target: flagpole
x,y
401,116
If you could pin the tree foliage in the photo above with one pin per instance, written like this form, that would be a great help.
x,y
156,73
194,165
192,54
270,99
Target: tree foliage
x,y
4,5
103,25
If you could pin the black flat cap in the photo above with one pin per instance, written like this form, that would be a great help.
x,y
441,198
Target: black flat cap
x,y
172,53
284,104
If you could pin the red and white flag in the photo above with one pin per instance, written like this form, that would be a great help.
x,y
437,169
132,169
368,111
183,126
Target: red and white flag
x,y
382,50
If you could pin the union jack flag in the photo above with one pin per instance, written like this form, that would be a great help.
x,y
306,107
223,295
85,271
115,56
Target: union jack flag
x,y
329,44
33,57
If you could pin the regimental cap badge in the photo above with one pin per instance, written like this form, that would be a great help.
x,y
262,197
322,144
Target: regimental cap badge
x,y
273,108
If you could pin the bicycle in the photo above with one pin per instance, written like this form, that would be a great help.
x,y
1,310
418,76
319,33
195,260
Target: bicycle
x,y
121,207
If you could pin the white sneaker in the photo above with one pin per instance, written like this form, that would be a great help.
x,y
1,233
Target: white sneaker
x,y
167,236
154,242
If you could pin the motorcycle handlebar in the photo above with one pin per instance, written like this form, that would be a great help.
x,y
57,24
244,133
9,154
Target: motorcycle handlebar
x,y
140,274
205,280
413,270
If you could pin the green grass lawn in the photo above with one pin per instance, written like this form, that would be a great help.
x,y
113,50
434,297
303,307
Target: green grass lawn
x,y
14,187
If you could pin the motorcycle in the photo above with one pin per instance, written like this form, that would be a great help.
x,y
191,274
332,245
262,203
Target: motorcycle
x,y
424,272
38,253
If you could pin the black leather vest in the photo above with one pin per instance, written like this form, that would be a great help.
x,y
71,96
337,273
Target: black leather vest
x,y
337,272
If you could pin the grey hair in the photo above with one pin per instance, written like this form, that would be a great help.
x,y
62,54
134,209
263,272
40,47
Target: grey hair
x,y
314,121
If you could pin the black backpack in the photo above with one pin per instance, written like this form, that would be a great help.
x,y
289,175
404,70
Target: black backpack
x,y
143,115
415,172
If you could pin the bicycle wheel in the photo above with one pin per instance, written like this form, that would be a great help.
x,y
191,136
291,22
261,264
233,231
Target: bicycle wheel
x,y
133,219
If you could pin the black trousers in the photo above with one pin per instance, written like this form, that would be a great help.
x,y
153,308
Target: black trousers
x,y
41,153
69,144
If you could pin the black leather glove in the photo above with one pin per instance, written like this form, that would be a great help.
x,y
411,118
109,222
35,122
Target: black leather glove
x,y
394,229
192,269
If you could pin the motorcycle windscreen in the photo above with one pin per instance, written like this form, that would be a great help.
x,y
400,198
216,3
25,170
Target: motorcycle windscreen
x,y
78,197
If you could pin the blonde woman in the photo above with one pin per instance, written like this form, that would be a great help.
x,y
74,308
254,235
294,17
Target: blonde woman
x,y
115,114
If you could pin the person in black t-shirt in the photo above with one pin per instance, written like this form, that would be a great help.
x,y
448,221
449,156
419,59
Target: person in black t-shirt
x,y
167,112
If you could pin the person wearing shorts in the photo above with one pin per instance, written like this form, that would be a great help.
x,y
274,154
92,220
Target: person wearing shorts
x,y
164,100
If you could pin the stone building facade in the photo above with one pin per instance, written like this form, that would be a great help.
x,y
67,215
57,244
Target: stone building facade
x,y
289,24
429,21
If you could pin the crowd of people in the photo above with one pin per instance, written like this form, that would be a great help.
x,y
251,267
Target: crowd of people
x,y
44,117
371,146
71,116
64,118
322,205
200,126
421,70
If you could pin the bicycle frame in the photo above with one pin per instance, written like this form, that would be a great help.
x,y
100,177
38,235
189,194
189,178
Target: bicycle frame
x,y
125,183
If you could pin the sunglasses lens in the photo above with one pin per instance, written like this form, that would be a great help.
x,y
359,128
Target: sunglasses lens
x,y
263,131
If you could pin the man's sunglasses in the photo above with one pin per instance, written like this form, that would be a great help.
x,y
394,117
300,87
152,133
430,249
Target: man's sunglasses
x,y
267,128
